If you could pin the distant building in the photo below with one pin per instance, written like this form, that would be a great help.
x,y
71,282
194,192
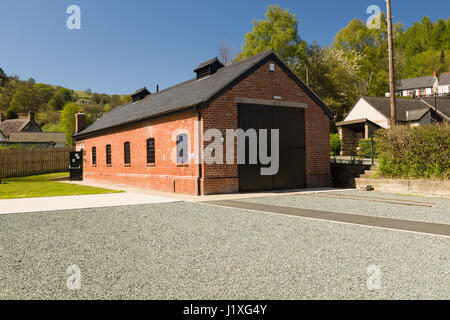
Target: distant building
x,y
38,139
444,84
26,132
372,113
18,125
423,86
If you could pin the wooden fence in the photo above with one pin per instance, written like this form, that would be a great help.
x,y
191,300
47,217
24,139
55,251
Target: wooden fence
x,y
25,162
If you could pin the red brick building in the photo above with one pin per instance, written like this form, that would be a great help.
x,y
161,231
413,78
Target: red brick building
x,y
143,143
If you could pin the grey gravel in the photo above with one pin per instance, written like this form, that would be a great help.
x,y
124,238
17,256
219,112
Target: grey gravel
x,y
196,251
438,213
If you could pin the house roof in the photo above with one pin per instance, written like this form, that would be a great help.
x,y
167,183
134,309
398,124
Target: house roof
x,y
415,83
356,121
2,136
13,125
416,108
194,92
443,106
38,137
444,79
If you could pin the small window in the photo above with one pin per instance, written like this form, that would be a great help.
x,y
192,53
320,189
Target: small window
x,y
108,154
151,150
94,156
182,149
126,153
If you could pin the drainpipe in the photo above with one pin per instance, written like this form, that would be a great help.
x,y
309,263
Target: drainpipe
x,y
199,119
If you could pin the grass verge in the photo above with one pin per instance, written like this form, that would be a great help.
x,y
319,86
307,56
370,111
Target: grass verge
x,y
44,186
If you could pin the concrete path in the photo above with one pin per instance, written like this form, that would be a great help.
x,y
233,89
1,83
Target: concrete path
x,y
78,202
193,198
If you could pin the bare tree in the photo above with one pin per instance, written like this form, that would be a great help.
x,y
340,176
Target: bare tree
x,y
225,53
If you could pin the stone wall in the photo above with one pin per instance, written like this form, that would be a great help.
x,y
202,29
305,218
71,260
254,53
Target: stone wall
x,y
344,174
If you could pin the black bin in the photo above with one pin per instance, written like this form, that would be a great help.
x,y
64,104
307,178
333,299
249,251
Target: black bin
x,y
76,166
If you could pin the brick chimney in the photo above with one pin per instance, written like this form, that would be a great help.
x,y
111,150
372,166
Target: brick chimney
x,y
2,117
435,75
80,121
31,115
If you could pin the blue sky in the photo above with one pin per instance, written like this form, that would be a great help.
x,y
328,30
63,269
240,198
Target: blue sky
x,y
125,45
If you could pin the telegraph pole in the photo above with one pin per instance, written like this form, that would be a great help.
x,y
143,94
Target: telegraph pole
x,y
391,63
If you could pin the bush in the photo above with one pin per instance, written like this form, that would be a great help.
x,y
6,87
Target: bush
x,y
415,152
365,148
11,114
335,144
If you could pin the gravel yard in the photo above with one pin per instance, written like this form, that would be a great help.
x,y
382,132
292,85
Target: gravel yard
x,y
439,212
196,251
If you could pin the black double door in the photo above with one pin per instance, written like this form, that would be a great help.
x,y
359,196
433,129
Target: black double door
x,y
291,125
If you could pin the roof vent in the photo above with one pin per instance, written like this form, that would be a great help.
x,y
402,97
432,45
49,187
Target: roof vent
x,y
140,94
208,68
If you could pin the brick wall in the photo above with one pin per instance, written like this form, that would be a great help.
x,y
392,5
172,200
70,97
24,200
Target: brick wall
x,y
263,84
165,174
222,115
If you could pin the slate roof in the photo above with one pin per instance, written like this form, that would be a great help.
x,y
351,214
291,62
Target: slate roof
x,y
415,83
12,125
444,79
417,109
443,105
191,93
38,137
2,137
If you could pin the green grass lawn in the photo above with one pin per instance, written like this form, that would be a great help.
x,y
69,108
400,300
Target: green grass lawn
x,y
43,186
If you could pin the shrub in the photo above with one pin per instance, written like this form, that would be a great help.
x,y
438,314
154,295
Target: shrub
x,y
11,114
415,152
365,148
335,144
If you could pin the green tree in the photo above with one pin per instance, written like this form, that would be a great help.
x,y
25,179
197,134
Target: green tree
x,y
3,77
11,114
279,31
6,94
126,99
68,120
31,82
46,91
65,95
26,99
115,100
96,98
439,36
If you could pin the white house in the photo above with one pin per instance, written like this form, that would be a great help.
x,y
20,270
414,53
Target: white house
x,y
372,113
444,84
417,87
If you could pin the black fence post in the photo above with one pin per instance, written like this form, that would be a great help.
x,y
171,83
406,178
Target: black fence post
x,y
371,150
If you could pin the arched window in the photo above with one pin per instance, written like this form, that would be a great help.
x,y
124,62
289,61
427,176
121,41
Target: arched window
x,y
108,154
126,153
94,156
151,150
182,148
